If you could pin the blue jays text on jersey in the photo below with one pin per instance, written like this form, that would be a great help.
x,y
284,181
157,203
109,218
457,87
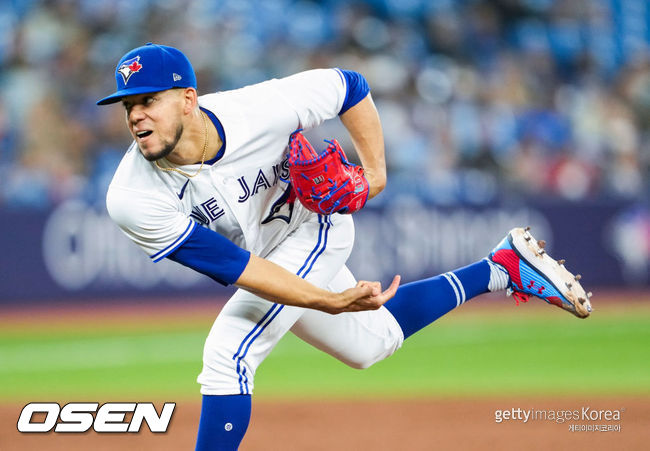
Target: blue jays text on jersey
x,y
209,210
280,172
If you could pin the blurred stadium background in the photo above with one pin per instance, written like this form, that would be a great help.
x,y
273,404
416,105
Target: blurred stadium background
x,y
495,113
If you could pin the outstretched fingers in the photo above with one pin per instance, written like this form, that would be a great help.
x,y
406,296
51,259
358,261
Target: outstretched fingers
x,y
367,296
391,290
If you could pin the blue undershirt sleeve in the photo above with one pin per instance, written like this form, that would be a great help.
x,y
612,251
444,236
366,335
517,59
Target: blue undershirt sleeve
x,y
356,89
212,254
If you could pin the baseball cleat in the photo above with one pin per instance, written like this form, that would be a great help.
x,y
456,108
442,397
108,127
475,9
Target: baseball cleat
x,y
535,273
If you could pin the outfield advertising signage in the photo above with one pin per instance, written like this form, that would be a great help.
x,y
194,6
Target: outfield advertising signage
x,y
76,252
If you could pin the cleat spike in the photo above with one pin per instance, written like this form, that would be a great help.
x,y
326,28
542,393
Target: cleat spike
x,y
527,237
577,277
541,243
590,294
581,300
569,285
561,262
527,228
542,252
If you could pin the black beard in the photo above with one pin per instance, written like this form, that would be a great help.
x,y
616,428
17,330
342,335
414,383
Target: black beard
x,y
168,147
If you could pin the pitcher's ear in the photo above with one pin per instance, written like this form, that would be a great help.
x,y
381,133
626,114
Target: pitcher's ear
x,y
191,99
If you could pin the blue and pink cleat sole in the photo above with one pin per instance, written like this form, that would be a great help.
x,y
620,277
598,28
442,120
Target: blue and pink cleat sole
x,y
535,273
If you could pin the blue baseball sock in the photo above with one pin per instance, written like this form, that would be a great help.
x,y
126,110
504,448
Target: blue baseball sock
x,y
418,304
224,420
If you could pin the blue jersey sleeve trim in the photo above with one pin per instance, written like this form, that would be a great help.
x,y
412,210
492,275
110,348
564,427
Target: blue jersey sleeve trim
x,y
212,254
356,87
178,242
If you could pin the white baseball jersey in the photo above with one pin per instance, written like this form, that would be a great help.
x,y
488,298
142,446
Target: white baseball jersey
x,y
234,196
241,196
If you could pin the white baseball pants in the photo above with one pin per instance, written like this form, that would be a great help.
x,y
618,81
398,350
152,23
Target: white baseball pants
x,y
248,326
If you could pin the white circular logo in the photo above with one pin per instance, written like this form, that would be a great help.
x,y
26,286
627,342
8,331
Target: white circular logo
x,y
228,427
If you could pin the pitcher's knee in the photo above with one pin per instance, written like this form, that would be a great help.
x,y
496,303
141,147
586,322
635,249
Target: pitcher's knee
x,y
362,361
363,356
361,365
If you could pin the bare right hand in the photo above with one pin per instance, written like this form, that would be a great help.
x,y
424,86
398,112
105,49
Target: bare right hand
x,y
364,296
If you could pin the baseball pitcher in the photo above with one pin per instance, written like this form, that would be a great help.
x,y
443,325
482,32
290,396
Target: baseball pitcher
x,y
227,185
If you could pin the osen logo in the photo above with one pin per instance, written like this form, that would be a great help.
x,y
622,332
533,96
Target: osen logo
x,y
78,417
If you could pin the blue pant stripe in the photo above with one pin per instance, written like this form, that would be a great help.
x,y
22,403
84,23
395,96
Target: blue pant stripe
x,y
320,232
319,252
259,328
241,386
320,237
253,331
251,342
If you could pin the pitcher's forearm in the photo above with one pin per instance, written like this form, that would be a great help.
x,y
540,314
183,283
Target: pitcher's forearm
x,y
274,283
363,124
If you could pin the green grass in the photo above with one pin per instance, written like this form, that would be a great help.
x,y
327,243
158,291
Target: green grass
x,y
484,356
466,354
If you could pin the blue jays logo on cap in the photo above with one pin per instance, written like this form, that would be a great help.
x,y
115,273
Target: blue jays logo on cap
x,y
158,68
129,67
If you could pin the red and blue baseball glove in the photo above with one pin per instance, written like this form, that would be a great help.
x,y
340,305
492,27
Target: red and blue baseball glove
x,y
325,183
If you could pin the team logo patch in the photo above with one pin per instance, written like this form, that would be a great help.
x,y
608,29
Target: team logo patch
x,y
129,67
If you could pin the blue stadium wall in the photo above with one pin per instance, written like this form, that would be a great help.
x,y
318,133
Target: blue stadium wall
x,y
76,253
